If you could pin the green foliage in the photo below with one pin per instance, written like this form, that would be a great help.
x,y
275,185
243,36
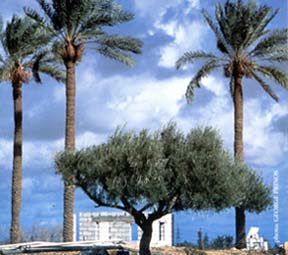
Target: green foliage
x,y
185,244
25,46
251,192
167,170
239,29
23,37
277,250
82,23
41,233
222,242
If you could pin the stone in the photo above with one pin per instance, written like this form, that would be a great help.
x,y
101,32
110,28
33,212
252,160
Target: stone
x,y
286,247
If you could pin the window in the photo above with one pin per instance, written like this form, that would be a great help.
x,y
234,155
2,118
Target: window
x,y
161,231
97,231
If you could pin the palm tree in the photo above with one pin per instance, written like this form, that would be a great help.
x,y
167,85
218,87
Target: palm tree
x,y
23,59
78,24
244,52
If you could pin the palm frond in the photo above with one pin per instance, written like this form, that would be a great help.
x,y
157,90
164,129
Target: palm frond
x,y
123,43
232,86
225,47
60,14
45,62
4,73
204,71
116,54
274,74
53,71
46,8
265,86
36,65
101,19
276,41
1,24
190,57
259,22
90,34
34,16
2,60
278,57
23,36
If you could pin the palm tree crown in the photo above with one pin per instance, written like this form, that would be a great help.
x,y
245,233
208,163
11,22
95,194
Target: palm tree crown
x,y
78,23
24,55
239,29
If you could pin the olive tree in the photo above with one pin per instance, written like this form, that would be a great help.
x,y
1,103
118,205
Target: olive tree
x,y
150,175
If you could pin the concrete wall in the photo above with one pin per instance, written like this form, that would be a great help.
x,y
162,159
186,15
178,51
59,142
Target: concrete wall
x,y
165,226
106,229
111,226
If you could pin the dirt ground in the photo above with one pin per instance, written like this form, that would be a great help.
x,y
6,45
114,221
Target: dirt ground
x,y
184,251
168,251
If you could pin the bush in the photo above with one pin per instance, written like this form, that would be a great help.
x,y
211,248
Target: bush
x,y
277,250
192,251
222,242
185,244
41,233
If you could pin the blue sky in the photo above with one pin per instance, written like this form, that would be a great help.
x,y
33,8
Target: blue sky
x,y
146,96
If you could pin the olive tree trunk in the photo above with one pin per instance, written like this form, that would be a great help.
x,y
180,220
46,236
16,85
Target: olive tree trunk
x,y
238,155
15,235
69,189
146,237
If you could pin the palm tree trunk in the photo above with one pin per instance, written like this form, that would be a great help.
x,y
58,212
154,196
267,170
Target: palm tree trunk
x,y
15,235
238,119
69,189
146,238
238,155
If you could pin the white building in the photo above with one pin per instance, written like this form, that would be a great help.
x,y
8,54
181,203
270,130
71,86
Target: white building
x,y
254,241
112,226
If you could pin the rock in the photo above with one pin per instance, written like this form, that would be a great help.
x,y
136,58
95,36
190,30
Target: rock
x,y
286,248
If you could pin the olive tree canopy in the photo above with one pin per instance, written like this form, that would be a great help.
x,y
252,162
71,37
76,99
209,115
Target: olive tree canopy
x,y
150,175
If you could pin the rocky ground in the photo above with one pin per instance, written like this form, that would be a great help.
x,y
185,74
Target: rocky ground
x,y
190,251
168,250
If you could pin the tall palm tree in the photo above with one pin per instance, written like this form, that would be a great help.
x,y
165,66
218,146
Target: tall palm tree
x,y
77,24
23,59
246,50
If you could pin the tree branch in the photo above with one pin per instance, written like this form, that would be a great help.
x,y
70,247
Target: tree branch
x,y
100,202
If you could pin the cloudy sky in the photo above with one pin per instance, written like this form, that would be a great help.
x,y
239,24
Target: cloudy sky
x,y
146,96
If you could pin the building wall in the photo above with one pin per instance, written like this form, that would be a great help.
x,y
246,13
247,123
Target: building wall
x,y
111,226
90,229
162,231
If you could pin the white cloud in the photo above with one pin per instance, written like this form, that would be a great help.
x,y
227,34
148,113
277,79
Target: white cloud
x,y
151,7
88,138
186,34
215,85
150,102
6,148
27,184
263,146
